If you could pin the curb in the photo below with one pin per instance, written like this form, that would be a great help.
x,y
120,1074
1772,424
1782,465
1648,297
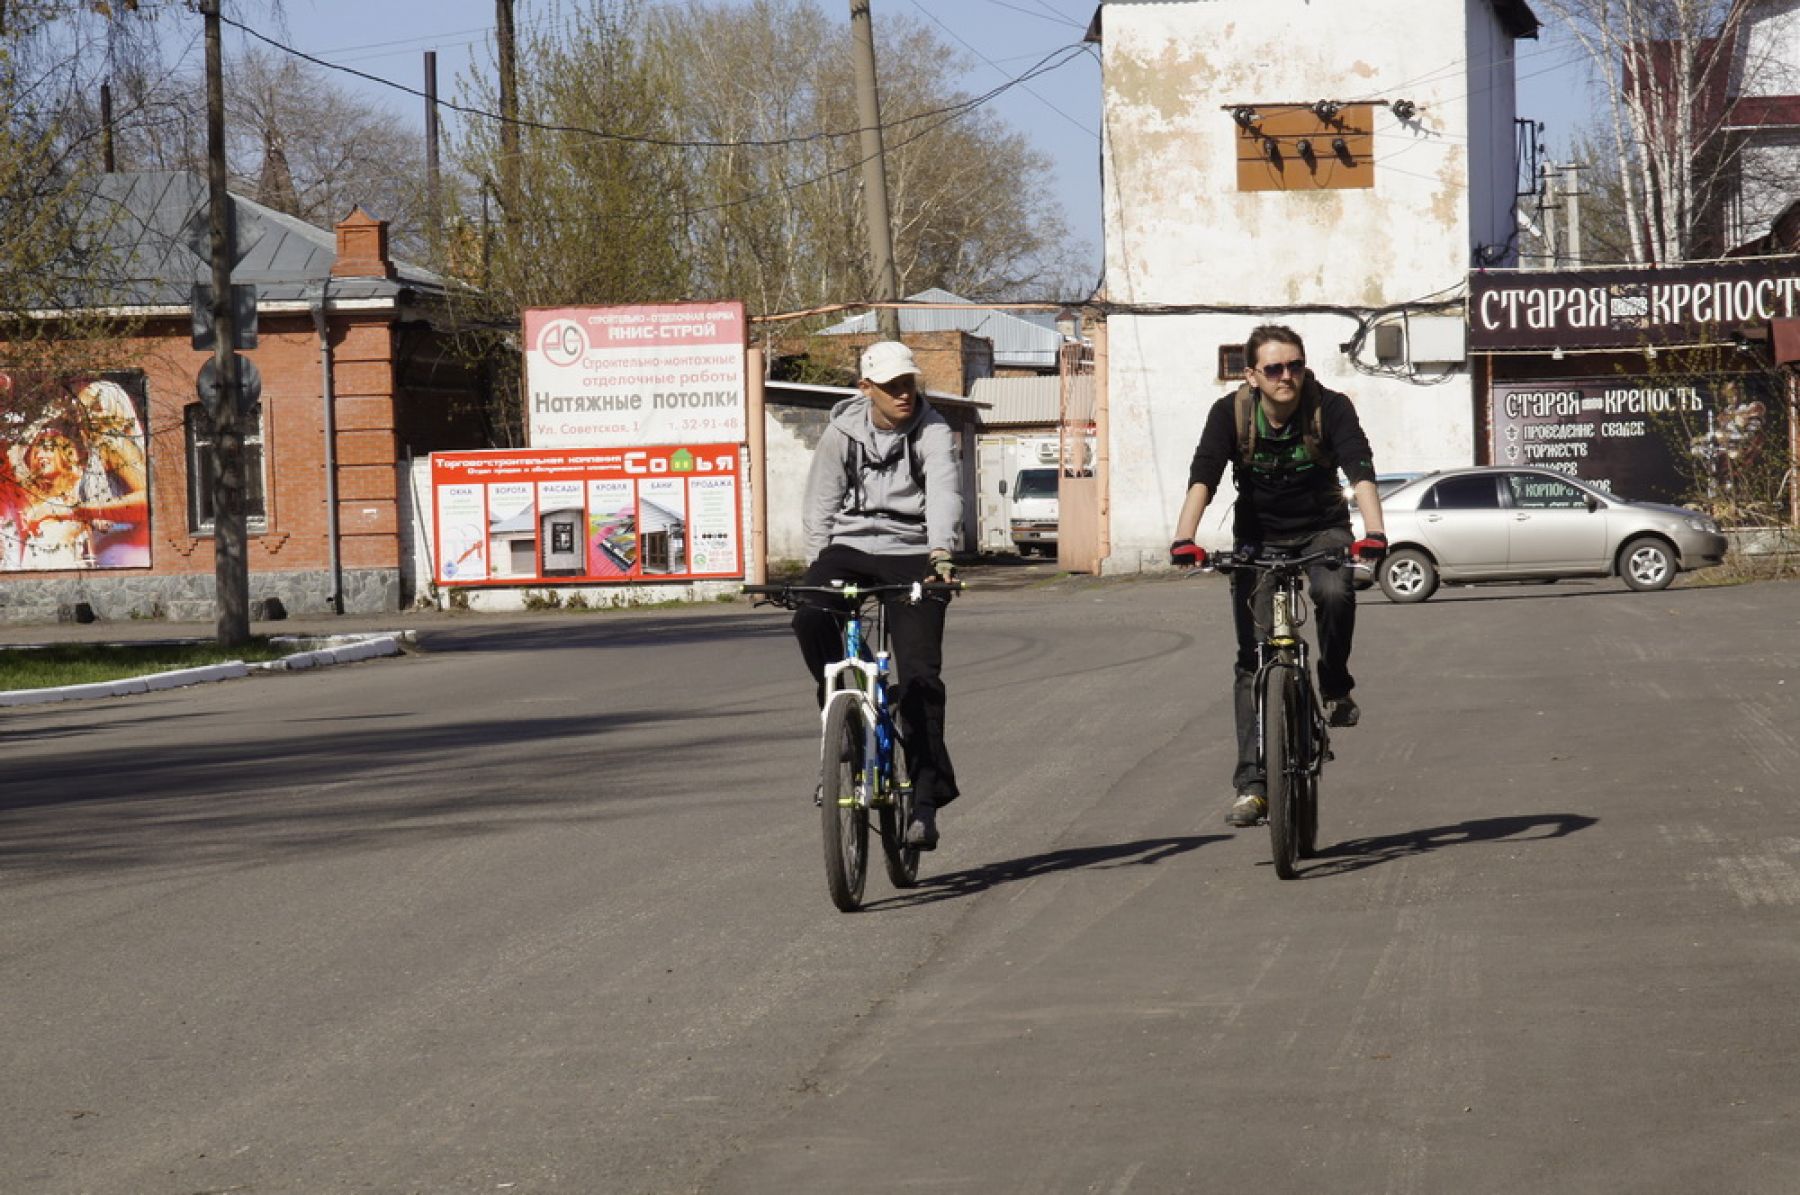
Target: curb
x,y
339,649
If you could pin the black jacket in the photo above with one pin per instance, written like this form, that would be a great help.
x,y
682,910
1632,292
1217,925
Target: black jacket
x,y
1283,494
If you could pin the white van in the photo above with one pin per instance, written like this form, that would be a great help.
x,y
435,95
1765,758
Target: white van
x,y
1034,511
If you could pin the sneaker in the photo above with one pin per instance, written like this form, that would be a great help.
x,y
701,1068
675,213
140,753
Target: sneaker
x,y
922,834
1249,809
1341,711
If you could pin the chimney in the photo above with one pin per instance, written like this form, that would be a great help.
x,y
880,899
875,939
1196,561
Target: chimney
x,y
362,248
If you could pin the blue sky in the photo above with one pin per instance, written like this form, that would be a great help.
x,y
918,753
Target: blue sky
x,y
1059,112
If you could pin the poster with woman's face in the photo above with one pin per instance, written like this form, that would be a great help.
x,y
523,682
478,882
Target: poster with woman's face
x,y
74,473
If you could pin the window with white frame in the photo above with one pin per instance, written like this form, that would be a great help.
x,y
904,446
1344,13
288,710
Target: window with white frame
x,y
202,469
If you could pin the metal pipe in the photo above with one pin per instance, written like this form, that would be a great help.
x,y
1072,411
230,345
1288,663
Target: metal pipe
x,y
322,322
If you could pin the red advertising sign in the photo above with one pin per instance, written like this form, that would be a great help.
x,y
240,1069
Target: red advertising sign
x,y
583,515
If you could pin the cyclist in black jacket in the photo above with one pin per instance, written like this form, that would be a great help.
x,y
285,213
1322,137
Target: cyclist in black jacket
x,y
1285,437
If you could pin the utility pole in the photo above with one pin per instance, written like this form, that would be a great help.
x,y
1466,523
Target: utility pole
x,y
231,570
875,197
433,180
1547,207
1572,215
506,49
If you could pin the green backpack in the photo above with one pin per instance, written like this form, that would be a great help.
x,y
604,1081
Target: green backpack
x,y
1312,427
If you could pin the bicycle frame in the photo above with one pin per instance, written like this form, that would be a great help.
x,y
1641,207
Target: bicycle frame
x,y
1283,647
865,682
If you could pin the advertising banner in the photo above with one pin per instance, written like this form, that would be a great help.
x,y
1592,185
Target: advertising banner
x,y
74,473
615,377
1654,439
1629,308
670,512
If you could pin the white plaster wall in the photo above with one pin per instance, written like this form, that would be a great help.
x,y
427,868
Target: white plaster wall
x,y
789,459
1767,168
1769,63
1178,231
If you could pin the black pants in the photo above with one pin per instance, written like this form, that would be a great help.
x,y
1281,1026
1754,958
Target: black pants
x,y
916,633
1334,604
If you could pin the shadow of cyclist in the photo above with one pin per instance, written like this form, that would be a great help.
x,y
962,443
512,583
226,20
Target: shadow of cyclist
x,y
1358,853
969,881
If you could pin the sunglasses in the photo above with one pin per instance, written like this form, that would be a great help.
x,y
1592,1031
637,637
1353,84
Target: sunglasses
x,y
1283,369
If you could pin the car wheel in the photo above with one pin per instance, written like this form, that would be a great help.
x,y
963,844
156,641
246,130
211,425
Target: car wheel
x,y
1647,564
1408,576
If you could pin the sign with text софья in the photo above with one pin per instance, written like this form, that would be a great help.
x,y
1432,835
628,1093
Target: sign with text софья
x,y
616,377
581,516
1511,310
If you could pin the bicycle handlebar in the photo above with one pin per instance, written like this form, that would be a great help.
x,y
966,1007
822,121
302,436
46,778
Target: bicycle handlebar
x,y
1329,557
787,595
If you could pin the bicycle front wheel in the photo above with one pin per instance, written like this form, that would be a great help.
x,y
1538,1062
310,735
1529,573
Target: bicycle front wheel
x,y
1284,766
896,815
843,816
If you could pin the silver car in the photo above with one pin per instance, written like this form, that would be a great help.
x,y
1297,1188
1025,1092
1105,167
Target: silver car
x,y
1496,523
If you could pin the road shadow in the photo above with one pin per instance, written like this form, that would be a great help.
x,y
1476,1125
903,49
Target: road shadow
x,y
1358,853
951,885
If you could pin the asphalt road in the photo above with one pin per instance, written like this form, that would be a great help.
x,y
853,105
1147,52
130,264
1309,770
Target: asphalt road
x,y
540,908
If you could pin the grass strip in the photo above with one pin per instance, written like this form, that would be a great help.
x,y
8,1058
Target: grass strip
x,y
60,664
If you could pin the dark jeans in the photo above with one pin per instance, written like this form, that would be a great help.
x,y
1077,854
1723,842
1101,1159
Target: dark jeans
x,y
916,633
1334,606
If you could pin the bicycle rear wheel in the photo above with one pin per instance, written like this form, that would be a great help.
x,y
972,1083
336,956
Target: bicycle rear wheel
x,y
842,817
896,815
1283,767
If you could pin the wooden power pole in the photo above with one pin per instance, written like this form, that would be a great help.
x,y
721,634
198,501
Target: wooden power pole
x,y
231,564
875,196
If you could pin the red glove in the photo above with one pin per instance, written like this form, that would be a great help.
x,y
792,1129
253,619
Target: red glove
x,y
1185,553
1370,548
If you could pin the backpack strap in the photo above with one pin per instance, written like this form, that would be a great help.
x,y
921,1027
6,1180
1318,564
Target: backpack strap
x,y
1245,409
858,462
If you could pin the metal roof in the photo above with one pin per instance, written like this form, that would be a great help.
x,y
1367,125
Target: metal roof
x,y
156,226
1018,342
1019,402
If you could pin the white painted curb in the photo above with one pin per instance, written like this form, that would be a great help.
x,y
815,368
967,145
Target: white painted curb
x,y
136,684
341,649
338,653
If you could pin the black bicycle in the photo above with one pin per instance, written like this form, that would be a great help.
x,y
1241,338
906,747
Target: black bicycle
x,y
862,761
1293,739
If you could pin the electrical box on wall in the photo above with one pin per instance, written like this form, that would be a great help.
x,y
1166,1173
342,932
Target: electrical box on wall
x,y
1437,339
1390,343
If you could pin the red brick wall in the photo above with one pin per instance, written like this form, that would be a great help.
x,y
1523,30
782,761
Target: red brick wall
x,y
441,410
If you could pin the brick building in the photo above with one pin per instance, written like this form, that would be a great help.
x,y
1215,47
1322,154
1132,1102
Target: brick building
x,y
357,377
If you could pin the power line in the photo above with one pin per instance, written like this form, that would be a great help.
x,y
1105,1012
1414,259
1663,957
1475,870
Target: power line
x,y
953,33
956,109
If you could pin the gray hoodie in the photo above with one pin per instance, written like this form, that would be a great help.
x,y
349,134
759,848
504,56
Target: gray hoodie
x,y
891,515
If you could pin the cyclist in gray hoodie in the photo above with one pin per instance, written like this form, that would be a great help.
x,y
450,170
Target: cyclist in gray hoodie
x,y
883,504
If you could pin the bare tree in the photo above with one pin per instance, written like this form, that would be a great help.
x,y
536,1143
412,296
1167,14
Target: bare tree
x,y
780,222
1669,71
53,260
295,142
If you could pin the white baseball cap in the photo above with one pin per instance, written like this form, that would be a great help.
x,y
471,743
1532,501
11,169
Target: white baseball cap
x,y
886,360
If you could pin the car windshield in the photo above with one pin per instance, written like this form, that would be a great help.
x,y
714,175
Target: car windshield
x,y
1036,483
